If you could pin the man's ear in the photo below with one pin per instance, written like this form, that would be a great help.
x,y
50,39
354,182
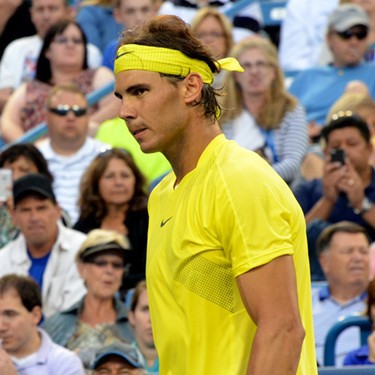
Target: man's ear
x,y
193,88
36,314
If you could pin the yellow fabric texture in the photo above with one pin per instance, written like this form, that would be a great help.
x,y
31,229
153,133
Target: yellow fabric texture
x,y
230,214
167,61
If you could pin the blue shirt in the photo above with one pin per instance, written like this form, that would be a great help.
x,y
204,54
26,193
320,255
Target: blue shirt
x,y
319,87
109,54
358,357
38,266
309,192
326,312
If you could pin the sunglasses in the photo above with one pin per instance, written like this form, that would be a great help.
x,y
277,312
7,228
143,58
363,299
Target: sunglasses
x,y
348,34
63,110
104,263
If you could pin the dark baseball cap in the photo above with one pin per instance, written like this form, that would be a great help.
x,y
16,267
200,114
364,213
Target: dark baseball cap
x,y
33,183
125,351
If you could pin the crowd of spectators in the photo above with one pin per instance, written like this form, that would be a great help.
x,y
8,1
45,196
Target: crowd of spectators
x,y
74,226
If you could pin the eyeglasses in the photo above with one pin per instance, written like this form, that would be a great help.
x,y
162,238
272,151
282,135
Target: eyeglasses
x,y
65,40
212,35
63,110
258,65
348,34
104,263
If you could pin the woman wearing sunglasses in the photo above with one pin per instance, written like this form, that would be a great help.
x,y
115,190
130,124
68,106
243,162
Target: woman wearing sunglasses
x,y
112,196
63,59
100,318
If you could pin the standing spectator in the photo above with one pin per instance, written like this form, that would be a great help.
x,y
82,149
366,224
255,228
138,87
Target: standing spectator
x,y
25,348
259,114
63,59
68,149
18,63
45,249
100,317
343,251
139,318
227,239
97,21
112,197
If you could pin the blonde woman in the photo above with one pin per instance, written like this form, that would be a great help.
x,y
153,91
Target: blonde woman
x,y
259,113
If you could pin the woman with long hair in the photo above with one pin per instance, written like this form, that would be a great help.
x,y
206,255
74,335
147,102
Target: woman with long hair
x,y
259,113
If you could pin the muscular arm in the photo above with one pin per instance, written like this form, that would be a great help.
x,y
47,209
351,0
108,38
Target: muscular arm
x,y
269,294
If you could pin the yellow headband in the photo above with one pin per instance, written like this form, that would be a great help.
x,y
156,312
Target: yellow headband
x,y
168,61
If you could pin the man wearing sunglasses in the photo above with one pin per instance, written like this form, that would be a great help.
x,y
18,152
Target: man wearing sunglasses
x,y
319,87
68,150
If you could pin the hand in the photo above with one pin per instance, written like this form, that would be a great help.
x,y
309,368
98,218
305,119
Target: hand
x,y
333,173
6,365
352,185
371,346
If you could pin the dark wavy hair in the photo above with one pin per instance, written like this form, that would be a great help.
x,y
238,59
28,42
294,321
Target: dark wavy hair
x,y
90,201
43,67
29,152
171,32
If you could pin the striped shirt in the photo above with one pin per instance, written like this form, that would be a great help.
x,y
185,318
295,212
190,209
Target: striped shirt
x,y
68,170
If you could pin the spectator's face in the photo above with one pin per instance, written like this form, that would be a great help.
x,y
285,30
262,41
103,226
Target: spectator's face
x,y
103,275
351,141
258,75
20,167
67,50
133,13
18,326
36,218
347,262
69,128
141,322
211,33
117,183
348,51
117,366
45,13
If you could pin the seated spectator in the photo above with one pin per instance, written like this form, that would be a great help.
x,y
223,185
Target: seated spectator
x,y
100,317
118,357
44,249
259,114
302,32
112,197
20,159
343,250
63,59
18,63
365,355
139,319
319,87
214,30
25,348
128,13
68,149
97,21
347,189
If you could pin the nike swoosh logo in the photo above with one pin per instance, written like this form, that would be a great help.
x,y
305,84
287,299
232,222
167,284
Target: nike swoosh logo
x,y
165,222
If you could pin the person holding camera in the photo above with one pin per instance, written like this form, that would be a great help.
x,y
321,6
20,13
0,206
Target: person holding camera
x,y
347,189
